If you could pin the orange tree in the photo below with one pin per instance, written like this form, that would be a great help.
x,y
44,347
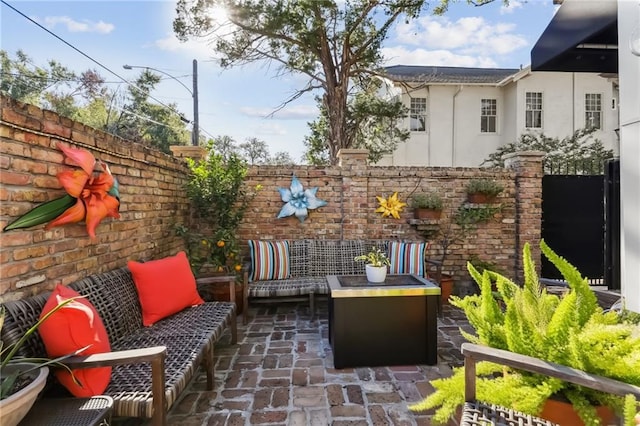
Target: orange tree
x,y
219,200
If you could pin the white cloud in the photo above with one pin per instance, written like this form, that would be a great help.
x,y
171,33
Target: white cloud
x,y
288,113
510,7
470,35
74,26
401,55
270,129
195,47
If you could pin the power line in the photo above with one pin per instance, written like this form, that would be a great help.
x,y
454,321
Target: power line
x,y
93,60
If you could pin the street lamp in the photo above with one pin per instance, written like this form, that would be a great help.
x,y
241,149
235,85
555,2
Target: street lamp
x,y
195,135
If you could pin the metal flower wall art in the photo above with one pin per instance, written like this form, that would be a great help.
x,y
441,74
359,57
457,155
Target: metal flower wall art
x,y
391,206
92,195
298,201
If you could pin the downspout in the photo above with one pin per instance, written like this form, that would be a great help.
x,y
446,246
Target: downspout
x,y
573,108
453,127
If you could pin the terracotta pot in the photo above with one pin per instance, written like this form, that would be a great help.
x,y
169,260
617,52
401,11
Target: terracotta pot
x,y
220,293
421,213
562,413
16,406
446,288
481,198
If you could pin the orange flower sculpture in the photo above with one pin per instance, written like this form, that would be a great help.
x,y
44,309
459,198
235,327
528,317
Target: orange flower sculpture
x,y
92,195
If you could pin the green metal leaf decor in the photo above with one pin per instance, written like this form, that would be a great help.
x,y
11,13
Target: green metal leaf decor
x,y
43,213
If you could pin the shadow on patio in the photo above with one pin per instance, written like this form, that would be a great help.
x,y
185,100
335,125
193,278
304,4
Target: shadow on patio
x,y
281,372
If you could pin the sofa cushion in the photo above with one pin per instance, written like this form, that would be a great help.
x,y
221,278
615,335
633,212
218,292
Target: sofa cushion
x,y
72,327
165,286
269,260
286,288
407,258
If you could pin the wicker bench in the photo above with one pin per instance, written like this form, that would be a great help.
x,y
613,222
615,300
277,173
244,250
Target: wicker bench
x,y
310,263
151,365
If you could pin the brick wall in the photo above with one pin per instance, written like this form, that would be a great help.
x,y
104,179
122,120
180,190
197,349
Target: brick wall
x,y
351,189
152,201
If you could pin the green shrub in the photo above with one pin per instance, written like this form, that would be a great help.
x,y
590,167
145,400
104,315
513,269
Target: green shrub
x,y
426,201
484,186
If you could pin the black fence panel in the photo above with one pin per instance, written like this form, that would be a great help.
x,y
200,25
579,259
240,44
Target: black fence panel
x,y
612,225
573,223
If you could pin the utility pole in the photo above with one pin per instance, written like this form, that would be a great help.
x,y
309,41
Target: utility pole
x,y
196,120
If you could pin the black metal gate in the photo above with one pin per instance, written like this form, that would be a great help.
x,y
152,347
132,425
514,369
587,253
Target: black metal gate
x,y
573,223
580,222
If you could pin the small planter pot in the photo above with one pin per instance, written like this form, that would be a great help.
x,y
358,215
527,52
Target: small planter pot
x,y
446,288
562,413
376,274
422,213
16,406
478,198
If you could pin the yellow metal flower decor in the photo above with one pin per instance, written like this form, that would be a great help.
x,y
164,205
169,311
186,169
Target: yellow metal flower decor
x,y
391,206
92,195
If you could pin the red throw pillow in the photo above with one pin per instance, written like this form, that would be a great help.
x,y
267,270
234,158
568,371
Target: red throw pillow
x,y
72,327
165,286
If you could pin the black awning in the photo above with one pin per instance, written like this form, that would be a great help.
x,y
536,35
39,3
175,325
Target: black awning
x,y
581,37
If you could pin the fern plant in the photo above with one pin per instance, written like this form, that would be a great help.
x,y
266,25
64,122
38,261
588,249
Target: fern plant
x,y
569,329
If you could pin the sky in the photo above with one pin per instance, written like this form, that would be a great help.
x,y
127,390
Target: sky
x,y
240,102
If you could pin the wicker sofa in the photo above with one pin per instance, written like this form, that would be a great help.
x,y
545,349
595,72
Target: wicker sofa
x,y
151,365
310,261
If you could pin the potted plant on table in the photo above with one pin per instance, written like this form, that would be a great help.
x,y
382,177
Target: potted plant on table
x,y
426,206
568,329
376,267
480,191
22,379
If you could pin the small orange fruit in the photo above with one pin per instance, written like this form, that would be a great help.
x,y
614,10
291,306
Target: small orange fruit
x,y
220,268
238,268
220,243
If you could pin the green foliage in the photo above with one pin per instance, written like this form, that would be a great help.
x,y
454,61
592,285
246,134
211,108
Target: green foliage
x,y
219,199
569,329
375,257
426,201
86,99
578,148
334,45
484,186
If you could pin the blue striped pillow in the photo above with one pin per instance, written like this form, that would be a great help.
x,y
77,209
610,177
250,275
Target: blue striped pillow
x,y
269,260
407,258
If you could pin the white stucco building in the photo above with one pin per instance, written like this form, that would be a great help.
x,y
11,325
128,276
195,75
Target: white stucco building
x,y
458,116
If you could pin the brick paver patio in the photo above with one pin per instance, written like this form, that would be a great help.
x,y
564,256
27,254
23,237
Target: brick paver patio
x,y
281,373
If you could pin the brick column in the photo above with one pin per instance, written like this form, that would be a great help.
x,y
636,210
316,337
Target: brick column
x,y
183,151
353,163
528,185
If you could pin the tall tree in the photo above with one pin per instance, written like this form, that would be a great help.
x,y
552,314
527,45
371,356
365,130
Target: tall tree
x,y
225,146
335,45
281,158
255,150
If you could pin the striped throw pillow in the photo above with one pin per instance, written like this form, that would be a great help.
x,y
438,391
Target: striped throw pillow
x,y
269,260
407,258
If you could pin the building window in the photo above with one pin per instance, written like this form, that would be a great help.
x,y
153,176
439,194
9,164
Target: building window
x,y
418,115
593,110
533,117
488,115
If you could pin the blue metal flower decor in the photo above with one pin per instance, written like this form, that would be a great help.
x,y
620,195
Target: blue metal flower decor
x,y
299,200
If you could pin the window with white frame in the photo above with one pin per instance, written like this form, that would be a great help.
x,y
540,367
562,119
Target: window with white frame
x,y
418,115
593,110
533,111
488,115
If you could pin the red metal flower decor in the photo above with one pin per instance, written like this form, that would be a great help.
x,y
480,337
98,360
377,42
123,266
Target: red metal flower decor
x,y
92,195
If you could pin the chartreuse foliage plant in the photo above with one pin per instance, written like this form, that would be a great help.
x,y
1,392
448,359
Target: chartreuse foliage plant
x,y
569,329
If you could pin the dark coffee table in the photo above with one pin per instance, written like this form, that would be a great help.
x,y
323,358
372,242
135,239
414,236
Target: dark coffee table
x,y
390,323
